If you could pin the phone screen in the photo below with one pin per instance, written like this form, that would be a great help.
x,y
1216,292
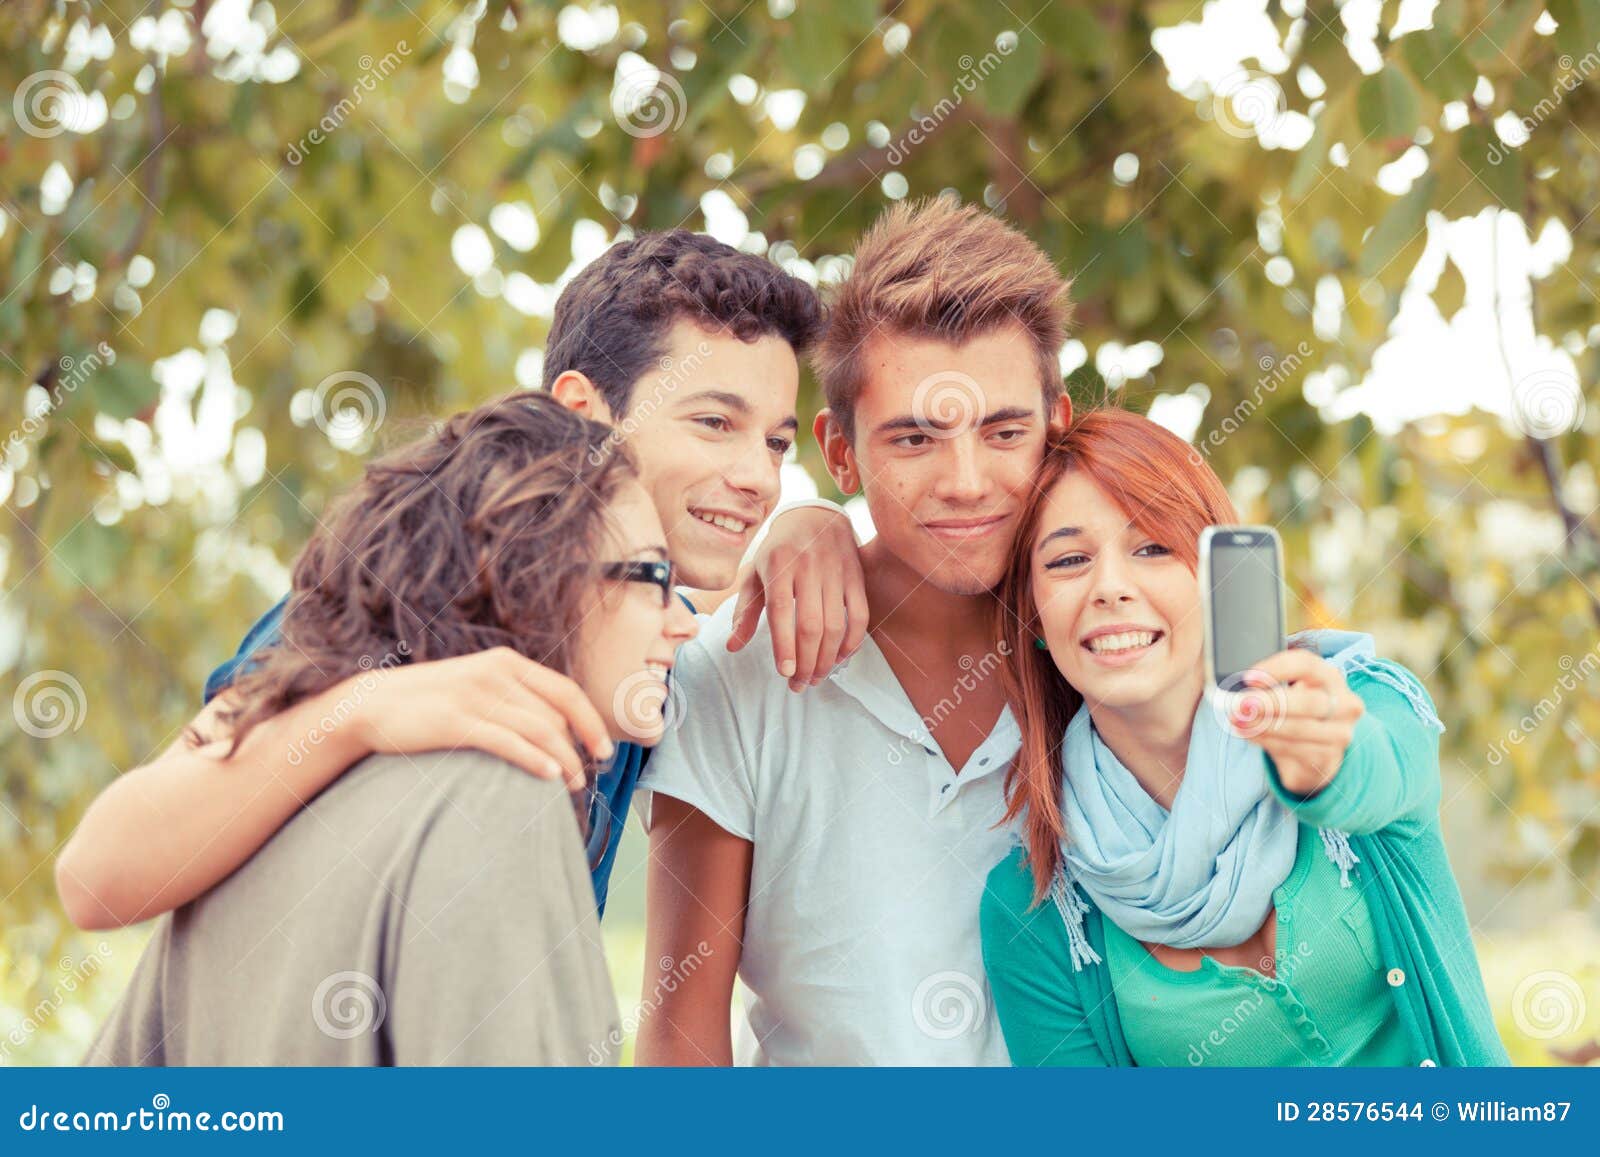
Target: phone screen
x,y
1247,620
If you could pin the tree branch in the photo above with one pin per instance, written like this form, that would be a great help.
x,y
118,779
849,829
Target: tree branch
x,y
1543,450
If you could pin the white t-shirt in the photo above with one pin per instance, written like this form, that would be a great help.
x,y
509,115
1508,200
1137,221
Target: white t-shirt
x,y
861,940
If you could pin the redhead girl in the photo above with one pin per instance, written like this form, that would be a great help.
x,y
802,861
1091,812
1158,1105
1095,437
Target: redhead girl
x,y
1265,885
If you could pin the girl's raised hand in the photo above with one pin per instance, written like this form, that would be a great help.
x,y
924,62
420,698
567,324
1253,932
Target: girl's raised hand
x,y
1297,707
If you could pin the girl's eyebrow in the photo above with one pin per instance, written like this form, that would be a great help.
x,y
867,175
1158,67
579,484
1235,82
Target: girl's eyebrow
x,y
1069,532
1063,532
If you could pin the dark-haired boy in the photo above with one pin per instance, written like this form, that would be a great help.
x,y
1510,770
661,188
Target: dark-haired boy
x,y
690,349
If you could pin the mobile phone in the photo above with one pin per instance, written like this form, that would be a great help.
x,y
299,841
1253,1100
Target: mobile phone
x,y
1241,597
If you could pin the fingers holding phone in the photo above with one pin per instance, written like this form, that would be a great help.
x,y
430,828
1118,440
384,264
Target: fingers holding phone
x,y
1312,720
1291,703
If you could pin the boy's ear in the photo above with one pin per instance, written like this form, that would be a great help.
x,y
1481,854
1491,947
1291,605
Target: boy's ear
x,y
837,452
580,395
1061,415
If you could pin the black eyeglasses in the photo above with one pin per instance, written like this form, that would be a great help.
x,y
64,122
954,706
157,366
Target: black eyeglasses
x,y
659,573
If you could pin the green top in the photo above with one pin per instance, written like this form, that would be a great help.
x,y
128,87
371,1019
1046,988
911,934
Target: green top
x,y
1386,797
1327,1002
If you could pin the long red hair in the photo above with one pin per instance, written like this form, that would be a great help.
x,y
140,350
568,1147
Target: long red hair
x,y
1168,492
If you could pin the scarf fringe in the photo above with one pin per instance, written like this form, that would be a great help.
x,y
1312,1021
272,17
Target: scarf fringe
x,y
1073,909
1337,845
1393,675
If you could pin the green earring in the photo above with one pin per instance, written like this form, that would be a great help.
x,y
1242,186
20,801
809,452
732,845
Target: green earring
x,y
1040,645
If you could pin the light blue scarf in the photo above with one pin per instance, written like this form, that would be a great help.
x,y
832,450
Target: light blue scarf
x,y
1202,875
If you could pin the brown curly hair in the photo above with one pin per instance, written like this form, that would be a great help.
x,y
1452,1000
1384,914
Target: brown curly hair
x,y
486,532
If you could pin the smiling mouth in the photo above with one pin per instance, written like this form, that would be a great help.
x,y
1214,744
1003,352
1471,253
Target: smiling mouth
x,y
1122,643
964,527
726,522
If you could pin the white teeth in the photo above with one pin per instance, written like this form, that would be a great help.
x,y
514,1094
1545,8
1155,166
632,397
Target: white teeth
x,y
1125,641
722,520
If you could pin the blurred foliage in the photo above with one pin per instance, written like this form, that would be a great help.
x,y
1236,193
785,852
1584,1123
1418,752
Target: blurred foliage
x,y
131,568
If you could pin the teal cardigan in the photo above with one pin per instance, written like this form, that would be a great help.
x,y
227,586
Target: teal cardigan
x,y
1386,797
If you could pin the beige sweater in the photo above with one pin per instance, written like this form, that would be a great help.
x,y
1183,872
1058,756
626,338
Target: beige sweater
x,y
428,910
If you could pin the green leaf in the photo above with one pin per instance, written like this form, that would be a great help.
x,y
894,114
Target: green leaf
x,y
1386,105
118,455
305,294
1435,59
1187,293
1136,299
1129,251
1579,25
121,389
1500,40
859,17
1496,172
1450,18
1005,88
89,555
1310,165
1403,226
1451,291
26,263
244,109
1584,855
817,51
705,88
1073,32
1327,242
